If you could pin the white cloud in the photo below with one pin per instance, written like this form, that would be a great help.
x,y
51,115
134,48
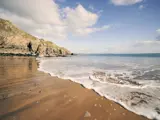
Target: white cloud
x,y
147,43
86,31
33,17
80,21
141,7
41,11
91,7
158,31
80,17
125,2
45,19
158,37
147,46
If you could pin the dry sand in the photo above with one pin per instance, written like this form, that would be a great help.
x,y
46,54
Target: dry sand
x,y
28,94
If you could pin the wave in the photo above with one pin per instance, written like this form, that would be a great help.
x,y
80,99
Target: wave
x,y
135,89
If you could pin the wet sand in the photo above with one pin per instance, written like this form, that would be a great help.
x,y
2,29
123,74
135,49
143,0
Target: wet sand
x,y
28,94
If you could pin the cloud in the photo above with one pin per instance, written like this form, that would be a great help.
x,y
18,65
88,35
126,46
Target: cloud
x,y
158,31
158,37
45,19
34,9
146,46
149,46
33,17
125,2
147,43
141,7
86,31
91,7
80,21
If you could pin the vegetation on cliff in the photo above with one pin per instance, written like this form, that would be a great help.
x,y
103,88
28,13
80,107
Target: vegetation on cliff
x,y
17,42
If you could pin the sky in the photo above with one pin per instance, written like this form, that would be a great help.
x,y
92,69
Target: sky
x,y
90,26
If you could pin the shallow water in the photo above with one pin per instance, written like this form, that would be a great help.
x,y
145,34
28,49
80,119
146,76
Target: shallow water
x,y
133,82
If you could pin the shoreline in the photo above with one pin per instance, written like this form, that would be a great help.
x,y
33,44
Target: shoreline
x,y
51,98
98,94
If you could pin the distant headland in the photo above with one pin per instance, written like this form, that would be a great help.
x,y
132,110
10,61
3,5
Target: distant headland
x,y
14,41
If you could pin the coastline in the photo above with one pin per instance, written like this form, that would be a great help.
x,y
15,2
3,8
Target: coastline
x,y
26,93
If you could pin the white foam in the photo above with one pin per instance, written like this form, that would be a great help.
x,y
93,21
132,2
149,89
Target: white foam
x,y
142,99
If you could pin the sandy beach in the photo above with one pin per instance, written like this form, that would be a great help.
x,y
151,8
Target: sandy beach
x,y
28,94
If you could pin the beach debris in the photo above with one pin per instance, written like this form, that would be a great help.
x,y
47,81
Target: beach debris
x,y
124,113
35,84
65,96
70,100
95,119
14,118
40,91
100,105
87,114
74,97
111,104
114,109
37,102
110,114
102,98
96,98
4,96
95,105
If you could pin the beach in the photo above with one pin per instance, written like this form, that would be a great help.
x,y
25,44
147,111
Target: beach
x,y
29,94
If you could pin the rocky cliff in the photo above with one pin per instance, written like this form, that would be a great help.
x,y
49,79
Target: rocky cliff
x,y
14,41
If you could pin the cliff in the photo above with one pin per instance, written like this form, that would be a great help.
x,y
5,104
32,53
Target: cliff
x,y
14,41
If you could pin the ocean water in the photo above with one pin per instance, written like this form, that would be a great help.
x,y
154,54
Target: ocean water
x,y
130,80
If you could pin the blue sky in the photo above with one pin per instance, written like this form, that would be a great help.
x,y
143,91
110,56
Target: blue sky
x,y
91,26
129,24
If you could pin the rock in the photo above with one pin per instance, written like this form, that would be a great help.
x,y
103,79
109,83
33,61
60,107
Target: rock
x,y
124,113
100,105
70,100
95,105
74,97
65,96
14,41
4,96
14,118
87,114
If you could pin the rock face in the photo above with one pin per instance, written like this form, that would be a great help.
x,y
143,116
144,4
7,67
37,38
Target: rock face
x,y
14,41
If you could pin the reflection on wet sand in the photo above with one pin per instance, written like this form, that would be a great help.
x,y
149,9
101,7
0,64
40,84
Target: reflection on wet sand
x,y
27,94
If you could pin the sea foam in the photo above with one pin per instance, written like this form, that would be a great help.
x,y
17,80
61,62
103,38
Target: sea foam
x,y
132,82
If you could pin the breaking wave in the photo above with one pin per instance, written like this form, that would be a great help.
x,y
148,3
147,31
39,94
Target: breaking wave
x,y
132,82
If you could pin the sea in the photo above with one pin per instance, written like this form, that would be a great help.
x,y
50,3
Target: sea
x,y
131,80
